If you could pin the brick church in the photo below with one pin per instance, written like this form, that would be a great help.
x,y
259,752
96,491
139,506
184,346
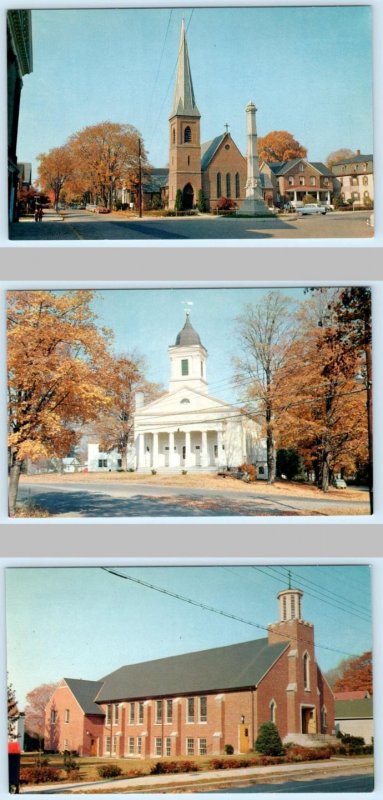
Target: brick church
x,y
196,703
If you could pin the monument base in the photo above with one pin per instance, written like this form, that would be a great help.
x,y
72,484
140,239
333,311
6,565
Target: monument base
x,y
253,207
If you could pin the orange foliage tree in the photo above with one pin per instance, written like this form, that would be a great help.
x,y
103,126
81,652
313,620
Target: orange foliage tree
x,y
55,380
106,158
55,170
124,378
357,675
280,146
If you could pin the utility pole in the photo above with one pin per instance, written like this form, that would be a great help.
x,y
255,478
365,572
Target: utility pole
x,y
139,179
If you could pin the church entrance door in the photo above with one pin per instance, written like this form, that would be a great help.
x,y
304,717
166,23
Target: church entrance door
x,y
188,197
309,719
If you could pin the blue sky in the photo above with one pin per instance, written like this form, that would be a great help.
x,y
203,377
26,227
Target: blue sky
x,y
84,622
308,69
146,321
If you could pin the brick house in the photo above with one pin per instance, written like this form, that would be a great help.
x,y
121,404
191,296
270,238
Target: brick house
x,y
73,721
354,178
196,703
295,179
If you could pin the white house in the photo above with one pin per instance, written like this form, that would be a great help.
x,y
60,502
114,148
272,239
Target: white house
x,y
186,428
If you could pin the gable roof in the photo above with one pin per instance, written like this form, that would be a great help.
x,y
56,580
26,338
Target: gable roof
x,y
353,709
208,150
357,159
85,692
281,167
232,667
360,694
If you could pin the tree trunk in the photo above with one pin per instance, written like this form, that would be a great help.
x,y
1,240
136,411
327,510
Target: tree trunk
x,y
124,459
14,477
271,460
325,480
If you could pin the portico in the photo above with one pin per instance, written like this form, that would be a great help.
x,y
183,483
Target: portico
x,y
177,448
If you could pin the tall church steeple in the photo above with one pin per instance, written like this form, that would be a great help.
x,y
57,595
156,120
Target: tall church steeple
x,y
185,146
188,359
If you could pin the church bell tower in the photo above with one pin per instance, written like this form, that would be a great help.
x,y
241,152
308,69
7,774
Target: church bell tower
x,y
188,359
185,145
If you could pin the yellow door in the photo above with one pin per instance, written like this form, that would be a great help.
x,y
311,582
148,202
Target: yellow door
x,y
244,744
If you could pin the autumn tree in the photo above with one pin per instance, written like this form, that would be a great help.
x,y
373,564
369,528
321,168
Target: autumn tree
x,y
106,156
338,155
13,711
266,333
55,353
280,146
326,421
55,170
124,378
37,701
357,675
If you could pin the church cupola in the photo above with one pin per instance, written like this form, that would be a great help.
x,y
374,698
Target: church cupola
x,y
185,145
290,604
188,359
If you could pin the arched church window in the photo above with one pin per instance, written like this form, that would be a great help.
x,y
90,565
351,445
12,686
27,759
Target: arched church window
x,y
273,711
237,185
187,134
324,719
219,185
228,185
174,135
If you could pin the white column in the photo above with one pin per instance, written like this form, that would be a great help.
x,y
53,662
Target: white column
x,y
187,448
141,450
155,450
171,449
253,188
219,448
318,197
328,197
295,196
204,452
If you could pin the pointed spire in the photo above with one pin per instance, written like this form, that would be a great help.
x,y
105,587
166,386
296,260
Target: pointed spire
x,y
184,100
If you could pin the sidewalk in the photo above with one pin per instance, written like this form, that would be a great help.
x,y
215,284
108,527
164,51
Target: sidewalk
x,y
191,781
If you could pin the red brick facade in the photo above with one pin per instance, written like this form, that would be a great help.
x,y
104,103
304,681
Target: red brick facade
x,y
291,692
225,175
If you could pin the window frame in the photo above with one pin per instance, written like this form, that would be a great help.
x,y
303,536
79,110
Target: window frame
x,y
190,710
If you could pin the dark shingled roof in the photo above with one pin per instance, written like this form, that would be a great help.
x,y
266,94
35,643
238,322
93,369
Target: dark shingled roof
x,y
188,335
236,666
353,709
355,159
281,167
85,692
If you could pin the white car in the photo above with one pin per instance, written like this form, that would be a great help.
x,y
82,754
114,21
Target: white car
x,y
312,208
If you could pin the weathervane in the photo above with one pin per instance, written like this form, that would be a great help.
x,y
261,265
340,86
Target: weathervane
x,y
187,303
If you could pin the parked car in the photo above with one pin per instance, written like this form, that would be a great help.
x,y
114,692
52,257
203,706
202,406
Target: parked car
x,y
312,208
340,483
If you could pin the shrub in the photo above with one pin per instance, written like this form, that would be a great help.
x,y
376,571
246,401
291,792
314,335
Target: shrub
x,y
250,470
166,767
225,204
178,201
40,775
269,742
109,771
201,203
309,199
297,753
228,749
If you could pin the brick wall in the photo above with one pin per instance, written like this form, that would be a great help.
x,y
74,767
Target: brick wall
x,y
72,734
227,160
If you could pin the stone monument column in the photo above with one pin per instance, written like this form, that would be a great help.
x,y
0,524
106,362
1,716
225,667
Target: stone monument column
x,y
254,204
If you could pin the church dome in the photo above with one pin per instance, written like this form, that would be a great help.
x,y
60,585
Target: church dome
x,y
187,336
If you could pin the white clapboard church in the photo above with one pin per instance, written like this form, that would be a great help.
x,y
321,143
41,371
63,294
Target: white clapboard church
x,y
187,428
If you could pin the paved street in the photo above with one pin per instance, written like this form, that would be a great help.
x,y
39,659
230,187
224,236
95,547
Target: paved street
x,y
83,225
109,499
345,783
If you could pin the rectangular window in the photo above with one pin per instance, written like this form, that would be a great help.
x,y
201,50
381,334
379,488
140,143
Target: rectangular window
x,y
168,746
354,181
184,366
131,745
202,747
116,713
291,180
312,181
158,746
132,713
301,181
107,744
325,181
108,714
102,462
203,709
158,711
190,709
140,713
114,744
169,711
66,715
139,745
190,747
53,715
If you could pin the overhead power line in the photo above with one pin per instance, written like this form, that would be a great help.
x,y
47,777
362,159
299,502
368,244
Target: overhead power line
x,y
336,595
221,613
